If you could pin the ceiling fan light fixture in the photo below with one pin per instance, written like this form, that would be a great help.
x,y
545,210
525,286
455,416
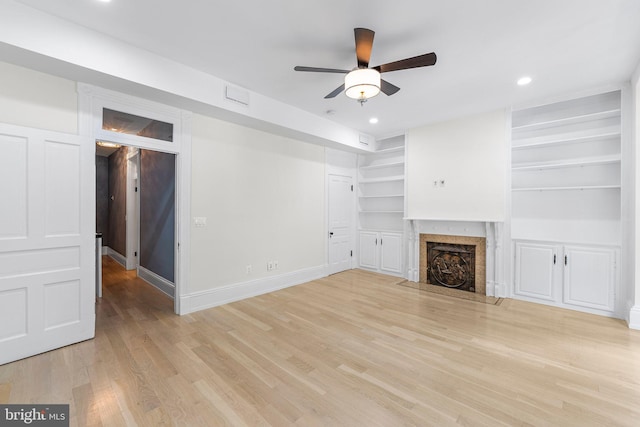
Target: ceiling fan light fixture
x,y
362,84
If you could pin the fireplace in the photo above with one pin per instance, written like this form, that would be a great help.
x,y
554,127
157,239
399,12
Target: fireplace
x,y
453,262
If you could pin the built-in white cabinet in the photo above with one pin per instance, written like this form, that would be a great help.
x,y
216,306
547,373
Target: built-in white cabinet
x,y
368,249
566,202
589,278
536,272
381,202
571,276
381,251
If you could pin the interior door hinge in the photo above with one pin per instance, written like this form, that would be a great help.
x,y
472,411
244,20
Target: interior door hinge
x,y
135,253
351,253
352,187
136,189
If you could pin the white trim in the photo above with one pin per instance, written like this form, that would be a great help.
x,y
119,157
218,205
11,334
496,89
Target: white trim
x,y
634,317
183,213
93,99
133,208
116,256
238,291
159,282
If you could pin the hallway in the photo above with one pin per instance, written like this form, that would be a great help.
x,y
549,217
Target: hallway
x,y
128,297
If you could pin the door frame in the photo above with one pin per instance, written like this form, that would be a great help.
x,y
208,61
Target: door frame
x,y
133,208
352,224
342,163
91,101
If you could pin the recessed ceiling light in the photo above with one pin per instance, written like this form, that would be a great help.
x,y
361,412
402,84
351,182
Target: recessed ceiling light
x,y
373,120
523,81
105,1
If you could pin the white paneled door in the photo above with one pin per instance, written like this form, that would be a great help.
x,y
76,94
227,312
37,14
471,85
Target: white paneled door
x,y
340,223
47,241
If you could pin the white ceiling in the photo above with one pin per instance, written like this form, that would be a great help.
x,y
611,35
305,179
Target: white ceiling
x,y
483,46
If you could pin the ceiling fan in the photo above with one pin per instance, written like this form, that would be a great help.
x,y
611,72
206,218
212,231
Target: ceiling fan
x,y
363,82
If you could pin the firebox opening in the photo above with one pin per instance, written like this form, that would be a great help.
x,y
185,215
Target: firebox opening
x,y
453,263
451,266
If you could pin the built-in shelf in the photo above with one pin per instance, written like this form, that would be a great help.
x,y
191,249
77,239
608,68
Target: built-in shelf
x,y
561,141
568,138
382,166
390,150
584,187
381,202
566,166
382,196
382,179
569,120
566,202
577,162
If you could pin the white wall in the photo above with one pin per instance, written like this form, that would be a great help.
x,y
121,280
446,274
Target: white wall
x,y
33,99
263,197
95,58
469,154
634,274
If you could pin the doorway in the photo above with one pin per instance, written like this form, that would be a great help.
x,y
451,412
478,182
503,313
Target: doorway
x,y
147,125
136,211
340,223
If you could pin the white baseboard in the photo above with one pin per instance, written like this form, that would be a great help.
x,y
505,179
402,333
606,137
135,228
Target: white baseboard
x,y
491,288
214,297
634,317
117,257
159,282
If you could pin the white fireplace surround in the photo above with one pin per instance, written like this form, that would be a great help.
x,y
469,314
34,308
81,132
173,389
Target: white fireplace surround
x,y
491,231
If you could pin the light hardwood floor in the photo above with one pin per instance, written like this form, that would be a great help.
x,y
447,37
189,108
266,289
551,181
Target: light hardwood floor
x,y
353,349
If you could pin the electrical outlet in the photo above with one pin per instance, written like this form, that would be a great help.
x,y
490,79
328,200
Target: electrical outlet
x,y
270,266
249,269
275,265
200,221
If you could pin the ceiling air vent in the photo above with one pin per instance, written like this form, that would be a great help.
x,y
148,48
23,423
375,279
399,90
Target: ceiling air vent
x,y
237,95
364,139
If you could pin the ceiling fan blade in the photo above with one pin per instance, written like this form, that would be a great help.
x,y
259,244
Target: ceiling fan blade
x,y
319,70
387,88
335,92
364,42
404,64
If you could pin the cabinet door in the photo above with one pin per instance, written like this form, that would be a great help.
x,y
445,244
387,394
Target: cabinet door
x,y
589,277
391,252
536,270
369,249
